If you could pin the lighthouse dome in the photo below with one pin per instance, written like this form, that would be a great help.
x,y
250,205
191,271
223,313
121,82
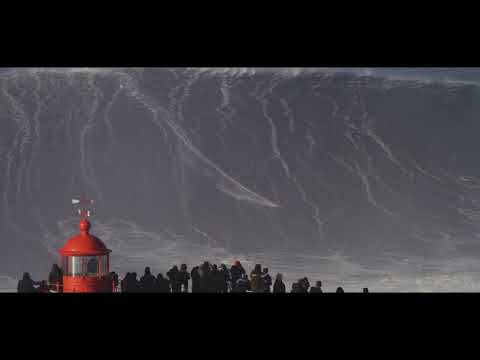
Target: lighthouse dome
x,y
84,244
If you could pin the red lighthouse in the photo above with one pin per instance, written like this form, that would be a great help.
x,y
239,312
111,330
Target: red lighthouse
x,y
85,263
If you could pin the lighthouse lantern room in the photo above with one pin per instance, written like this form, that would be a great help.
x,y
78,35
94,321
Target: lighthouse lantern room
x,y
85,262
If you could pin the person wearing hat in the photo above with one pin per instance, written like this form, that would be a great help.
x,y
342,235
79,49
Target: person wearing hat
x,y
236,271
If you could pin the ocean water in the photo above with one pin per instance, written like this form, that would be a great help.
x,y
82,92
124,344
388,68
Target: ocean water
x,y
356,177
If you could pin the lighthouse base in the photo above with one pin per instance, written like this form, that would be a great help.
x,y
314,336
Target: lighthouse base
x,y
87,284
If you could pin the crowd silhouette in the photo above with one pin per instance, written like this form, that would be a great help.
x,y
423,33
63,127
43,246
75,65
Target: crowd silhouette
x,y
204,278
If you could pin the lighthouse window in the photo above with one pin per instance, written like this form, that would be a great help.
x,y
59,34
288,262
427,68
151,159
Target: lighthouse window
x,y
103,264
75,265
85,265
92,265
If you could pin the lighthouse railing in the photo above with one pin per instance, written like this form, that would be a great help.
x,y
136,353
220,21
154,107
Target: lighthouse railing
x,y
56,287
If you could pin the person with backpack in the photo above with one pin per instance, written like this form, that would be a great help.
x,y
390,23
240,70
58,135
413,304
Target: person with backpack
x,y
256,279
242,285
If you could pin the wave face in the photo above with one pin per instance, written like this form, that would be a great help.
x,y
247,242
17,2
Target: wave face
x,y
239,159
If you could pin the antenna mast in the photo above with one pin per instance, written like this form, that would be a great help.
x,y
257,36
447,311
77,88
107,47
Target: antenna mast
x,y
83,207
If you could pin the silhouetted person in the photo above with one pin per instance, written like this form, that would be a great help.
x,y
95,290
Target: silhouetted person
x,y
224,278
124,282
114,279
256,280
55,278
130,283
43,288
195,279
365,290
242,285
147,281
184,277
317,288
304,285
136,283
257,269
162,284
236,272
267,280
26,285
54,275
279,286
174,277
296,288
206,283
340,290
216,279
